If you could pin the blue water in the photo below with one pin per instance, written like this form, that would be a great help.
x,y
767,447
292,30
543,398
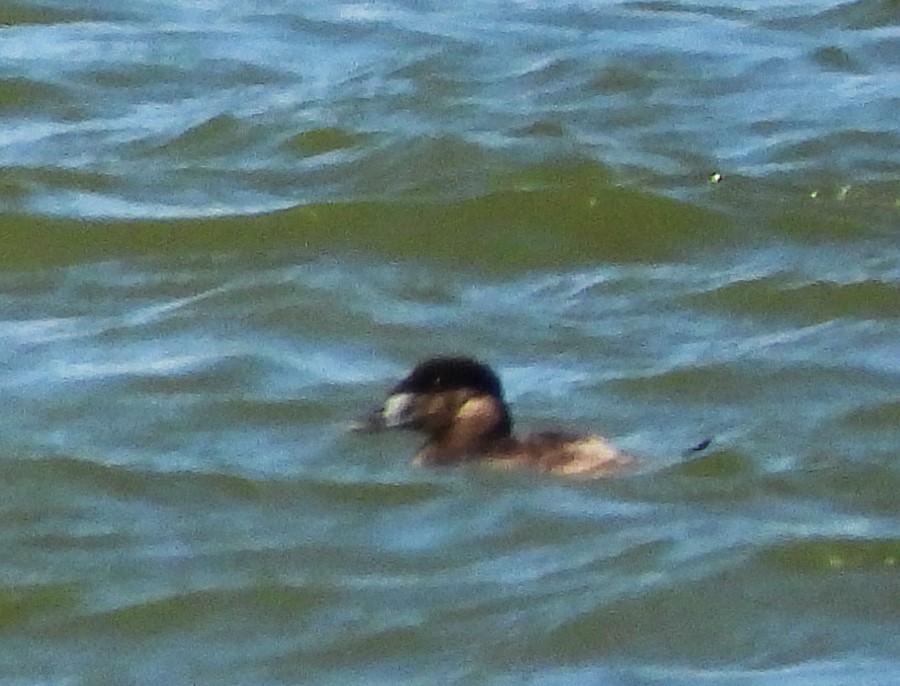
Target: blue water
x,y
227,229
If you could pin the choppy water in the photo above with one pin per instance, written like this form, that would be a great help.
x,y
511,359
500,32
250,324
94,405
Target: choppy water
x,y
228,227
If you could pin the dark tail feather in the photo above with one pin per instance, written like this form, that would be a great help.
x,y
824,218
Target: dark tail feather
x,y
701,446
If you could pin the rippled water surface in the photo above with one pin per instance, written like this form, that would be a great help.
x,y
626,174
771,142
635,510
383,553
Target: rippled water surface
x,y
227,228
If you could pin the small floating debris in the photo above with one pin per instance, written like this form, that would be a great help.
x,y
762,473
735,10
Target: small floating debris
x,y
840,194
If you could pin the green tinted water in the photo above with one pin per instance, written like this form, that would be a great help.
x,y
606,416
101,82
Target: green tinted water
x,y
225,232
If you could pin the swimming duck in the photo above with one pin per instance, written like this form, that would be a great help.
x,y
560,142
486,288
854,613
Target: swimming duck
x,y
457,402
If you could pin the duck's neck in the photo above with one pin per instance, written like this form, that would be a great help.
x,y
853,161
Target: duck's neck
x,y
480,426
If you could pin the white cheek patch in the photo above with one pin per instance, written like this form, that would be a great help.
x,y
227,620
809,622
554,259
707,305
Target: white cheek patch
x,y
397,409
481,408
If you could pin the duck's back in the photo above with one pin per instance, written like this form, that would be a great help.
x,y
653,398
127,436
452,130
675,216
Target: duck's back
x,y
565,454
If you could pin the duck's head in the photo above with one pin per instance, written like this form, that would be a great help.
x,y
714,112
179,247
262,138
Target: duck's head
x,y
453,400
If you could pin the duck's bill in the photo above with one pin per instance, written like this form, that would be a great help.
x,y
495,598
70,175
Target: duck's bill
x,y
372,422
398,412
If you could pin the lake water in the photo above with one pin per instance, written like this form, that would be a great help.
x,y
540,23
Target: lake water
x,y
227,228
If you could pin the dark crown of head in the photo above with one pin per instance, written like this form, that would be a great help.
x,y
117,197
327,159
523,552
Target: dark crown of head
x,y
439,374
